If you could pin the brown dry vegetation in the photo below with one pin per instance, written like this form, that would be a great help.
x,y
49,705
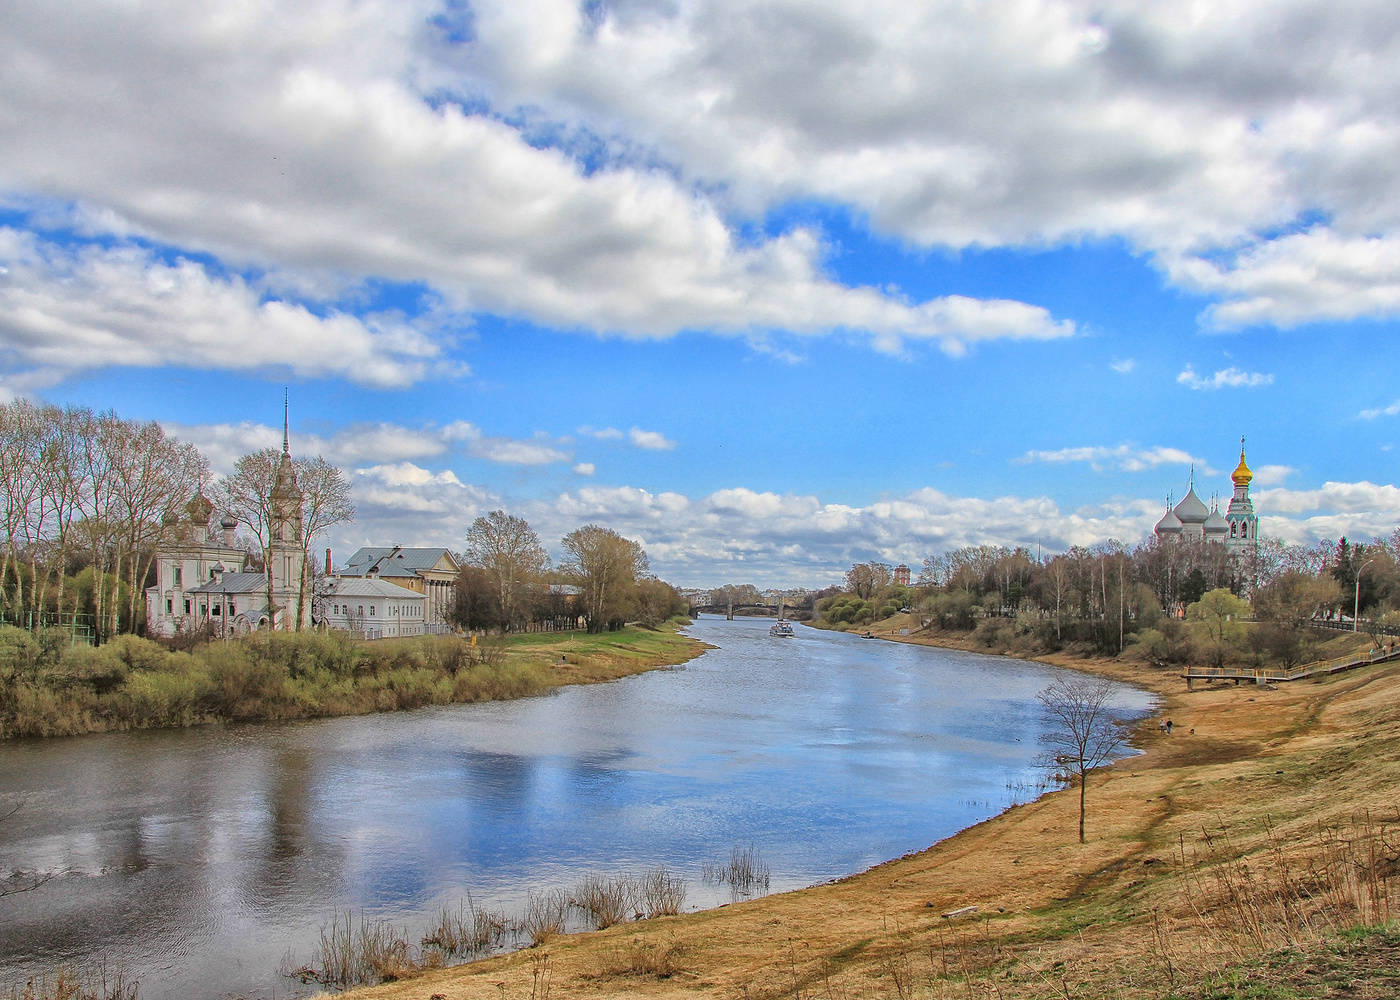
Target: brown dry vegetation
x,y
51,688
1235,857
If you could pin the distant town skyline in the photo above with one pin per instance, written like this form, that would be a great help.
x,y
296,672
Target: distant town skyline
x,y
769,290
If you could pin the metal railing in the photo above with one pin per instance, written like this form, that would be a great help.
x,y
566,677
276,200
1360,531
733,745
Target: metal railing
x,y
1265,675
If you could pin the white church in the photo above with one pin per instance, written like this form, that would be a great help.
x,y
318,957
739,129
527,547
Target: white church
x,y
1191,520
201,580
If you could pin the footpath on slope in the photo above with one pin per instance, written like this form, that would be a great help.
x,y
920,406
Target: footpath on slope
x,y
1159,895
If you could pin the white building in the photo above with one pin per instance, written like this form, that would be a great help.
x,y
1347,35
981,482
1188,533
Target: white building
x,y
431,572
194,557
1191,519
372,608
200,581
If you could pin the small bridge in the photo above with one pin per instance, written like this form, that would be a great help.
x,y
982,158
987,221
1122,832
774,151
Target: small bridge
x,y
746,610
1273,675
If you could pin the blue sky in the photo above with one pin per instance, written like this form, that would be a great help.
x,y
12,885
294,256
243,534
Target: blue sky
x,y
770,287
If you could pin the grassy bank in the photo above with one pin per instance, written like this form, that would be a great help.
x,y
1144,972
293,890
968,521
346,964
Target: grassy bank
x,y
1251,853
51,688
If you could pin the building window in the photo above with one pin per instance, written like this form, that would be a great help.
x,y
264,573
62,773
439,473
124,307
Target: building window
x,y
169,606
204,611
371,610
177,576
232,608
187,605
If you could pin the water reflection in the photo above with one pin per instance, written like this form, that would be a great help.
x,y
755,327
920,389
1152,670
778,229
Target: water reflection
x,y
197,858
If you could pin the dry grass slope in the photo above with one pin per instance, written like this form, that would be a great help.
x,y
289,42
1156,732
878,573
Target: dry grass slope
x,y
1252,853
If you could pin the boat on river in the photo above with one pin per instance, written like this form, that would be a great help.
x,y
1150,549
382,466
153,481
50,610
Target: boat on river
x,y
781,629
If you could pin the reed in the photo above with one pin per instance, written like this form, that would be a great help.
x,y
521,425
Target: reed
x,y
661,894
746,873
466,932
67,984
605,901
546,915
356,952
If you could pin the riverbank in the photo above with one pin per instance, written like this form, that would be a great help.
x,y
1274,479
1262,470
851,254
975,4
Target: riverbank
x,y
48,688
1267,819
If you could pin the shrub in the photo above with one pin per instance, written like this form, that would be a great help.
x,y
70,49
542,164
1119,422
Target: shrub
x,y
19,653
605,901
545,915
470,930
100,667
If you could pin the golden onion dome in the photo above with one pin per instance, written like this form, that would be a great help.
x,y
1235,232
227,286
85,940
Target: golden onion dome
x,y
1241,476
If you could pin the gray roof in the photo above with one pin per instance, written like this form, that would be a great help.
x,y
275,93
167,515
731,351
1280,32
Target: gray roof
x,y
393,560
360,587
233,583
1191,510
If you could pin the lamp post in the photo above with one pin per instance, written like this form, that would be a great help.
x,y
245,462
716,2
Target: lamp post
x,y
1356,601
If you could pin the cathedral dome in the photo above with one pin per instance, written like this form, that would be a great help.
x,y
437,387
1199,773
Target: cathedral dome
x,y
1216,524
1191,510
1241,476
1170,524
199,508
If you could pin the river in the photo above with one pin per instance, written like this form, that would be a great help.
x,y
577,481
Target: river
x,y
197,859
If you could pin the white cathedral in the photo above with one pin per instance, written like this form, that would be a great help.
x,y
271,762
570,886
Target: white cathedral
x,y
200,578
1192,520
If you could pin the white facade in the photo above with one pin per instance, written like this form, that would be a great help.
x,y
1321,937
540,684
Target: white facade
x,y
373,608
1236,529
194,558
200,581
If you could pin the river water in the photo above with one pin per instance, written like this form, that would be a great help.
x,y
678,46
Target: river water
x,y
196,860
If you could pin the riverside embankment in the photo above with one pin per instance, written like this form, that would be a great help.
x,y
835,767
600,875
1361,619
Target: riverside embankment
x,y
1265,821
50,687
197,858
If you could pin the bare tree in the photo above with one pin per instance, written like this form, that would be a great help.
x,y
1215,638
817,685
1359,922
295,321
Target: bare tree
x,y
325,502
509,551
864,579
247,496
1083,733
606,567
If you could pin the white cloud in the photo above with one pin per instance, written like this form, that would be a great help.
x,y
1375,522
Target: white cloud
x,y
1381,411
736,533
1337,498
1226,378
311,153
1186,135
1317,275
1123,366
1271,475
1127,457
65,310
650,440
381,444
585,469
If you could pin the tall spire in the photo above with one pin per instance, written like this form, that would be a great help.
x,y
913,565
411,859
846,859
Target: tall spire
x,y
1241,476
286,402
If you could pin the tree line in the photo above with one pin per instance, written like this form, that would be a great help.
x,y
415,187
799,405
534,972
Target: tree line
x,y
508,582
88,499
1169,601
